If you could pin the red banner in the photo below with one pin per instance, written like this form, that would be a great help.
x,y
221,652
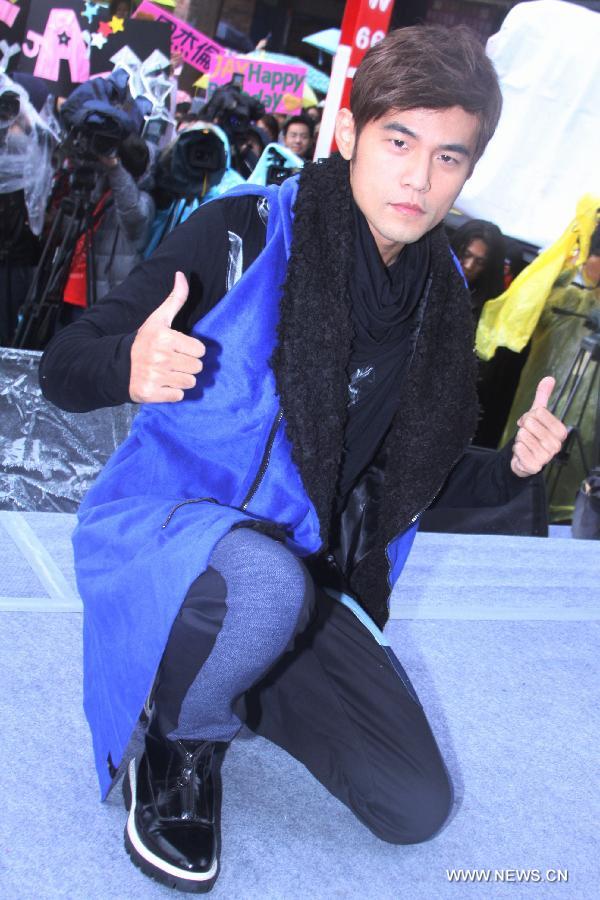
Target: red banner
x,y
365,23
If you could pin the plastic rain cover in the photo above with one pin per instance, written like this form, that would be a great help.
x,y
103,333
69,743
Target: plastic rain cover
x,y
27,139
48,457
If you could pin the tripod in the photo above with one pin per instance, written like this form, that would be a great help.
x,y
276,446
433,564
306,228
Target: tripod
x,y
75,217
588,355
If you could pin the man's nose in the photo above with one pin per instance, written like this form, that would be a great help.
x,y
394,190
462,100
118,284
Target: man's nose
x,y
417,174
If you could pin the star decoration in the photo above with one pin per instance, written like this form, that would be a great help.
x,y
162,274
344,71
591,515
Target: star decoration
x,y
117,24
91,10
105,28
98,40
64,38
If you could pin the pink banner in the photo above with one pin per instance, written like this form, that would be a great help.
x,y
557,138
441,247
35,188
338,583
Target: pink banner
x,y
196,48
62,39
278,87
8,13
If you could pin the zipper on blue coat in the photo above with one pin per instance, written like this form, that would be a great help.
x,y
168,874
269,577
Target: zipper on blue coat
x,y
255,484
264,462
184,503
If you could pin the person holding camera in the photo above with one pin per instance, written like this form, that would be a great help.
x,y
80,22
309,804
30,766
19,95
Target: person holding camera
x,y
237,554
121,221
193,170
231,108
27,140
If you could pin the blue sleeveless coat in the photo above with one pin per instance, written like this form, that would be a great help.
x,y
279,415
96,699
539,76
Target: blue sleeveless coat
x,y
187,473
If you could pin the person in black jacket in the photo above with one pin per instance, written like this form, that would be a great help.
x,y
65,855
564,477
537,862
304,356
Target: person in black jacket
x,y
374,373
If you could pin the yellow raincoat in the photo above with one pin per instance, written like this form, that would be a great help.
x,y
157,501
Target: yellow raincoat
x,y
555,344
510,319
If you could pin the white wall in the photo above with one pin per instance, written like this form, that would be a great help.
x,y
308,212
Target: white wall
x,y
546,151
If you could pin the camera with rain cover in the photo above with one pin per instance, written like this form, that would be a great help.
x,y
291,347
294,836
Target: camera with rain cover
x,y
97,117
183,167
10,106
96,135
232,109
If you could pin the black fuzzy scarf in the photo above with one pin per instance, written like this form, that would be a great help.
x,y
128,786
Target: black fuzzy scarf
x,y
437,405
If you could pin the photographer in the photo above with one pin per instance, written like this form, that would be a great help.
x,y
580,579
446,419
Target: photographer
x,y
99,217
234,110
193,169
122,217
26,142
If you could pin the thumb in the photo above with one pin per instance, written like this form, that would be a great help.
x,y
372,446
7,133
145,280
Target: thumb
x,y
544,389
167,311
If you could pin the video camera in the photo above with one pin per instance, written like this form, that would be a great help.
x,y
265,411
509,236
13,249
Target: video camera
x,y
233,109
10,106
98,134
187,162
591,320
279,169
97,116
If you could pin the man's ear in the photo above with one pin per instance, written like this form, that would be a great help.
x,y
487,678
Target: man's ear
x,y
345,132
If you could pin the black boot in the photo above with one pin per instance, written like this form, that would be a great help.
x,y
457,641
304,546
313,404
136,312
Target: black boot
x,y
173,829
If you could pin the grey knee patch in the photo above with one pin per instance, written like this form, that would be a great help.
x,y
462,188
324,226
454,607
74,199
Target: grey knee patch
x,y
265,595
262,567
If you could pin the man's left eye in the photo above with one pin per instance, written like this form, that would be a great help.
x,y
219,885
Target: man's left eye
x,y
450,160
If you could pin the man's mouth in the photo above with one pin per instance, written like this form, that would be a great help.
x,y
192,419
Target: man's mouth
x,y
408,209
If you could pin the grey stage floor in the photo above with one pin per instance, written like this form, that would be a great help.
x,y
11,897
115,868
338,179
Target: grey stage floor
x,y
500,636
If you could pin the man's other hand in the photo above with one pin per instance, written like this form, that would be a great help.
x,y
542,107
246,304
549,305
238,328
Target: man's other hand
x,y
540,435
164,362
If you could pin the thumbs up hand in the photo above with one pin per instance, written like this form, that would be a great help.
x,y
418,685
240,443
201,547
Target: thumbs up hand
x,y
540,435
164,362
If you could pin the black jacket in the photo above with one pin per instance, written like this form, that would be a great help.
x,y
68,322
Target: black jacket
x,y
87,365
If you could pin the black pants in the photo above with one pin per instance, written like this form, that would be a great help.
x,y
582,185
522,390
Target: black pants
x,y
339,702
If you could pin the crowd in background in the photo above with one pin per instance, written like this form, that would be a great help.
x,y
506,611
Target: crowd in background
x,y
134,188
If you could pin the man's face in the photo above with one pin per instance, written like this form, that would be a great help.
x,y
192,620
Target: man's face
x,y
407,169
297,138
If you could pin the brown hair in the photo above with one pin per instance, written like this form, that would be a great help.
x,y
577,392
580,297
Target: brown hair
x,y
428,67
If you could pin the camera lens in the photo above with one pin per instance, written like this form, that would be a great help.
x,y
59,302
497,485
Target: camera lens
x,y
10,104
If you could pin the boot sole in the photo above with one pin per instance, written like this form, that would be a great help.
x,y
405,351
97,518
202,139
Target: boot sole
x,y
151,864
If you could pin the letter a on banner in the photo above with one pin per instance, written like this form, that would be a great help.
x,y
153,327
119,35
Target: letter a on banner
x,y
365,23
62,39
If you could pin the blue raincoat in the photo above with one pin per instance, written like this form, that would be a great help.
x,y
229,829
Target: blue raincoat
x,y
187,473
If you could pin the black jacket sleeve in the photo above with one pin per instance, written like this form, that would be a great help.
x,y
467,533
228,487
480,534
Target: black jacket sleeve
x,y
483,496
481,478
87,365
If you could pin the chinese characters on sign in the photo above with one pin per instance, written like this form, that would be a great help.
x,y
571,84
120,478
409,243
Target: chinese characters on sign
x,y
196,48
